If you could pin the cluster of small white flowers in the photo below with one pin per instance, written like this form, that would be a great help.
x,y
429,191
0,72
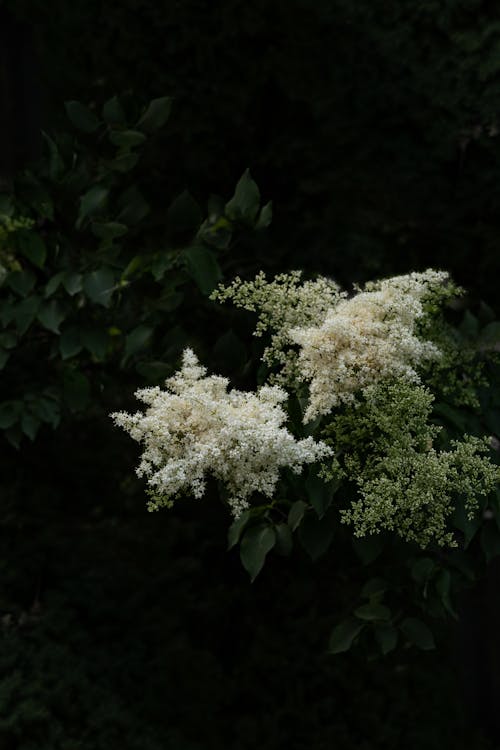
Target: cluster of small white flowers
x,y
196,428
365,339
282,304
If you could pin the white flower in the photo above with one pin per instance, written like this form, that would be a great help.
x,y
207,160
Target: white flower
x,y
197,428
365,339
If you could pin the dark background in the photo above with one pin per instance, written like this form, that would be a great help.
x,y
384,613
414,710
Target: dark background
x,y
373,126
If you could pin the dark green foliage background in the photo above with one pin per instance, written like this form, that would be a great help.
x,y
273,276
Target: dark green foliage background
x,y
373,127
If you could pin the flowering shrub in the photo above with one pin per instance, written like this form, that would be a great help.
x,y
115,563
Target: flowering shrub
x,y
357,368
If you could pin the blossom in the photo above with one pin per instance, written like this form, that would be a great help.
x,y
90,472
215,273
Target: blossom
x,y
366,339
196,428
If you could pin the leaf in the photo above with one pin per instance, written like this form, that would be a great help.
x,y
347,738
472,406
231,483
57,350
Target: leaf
x,y
236,529
124,162
25,313
53,284
244,205
99,286
92,202
418,633
284,541
32,247
265,216
21,282
95,340
72,282
343,635
319,492
256,543
113,113
316,535
422,569
202,266
137,339
47,409
490,540
490,335
51,316
81,116
134,207
4,358
10,412
372,612
296,514
127,138
108,230
373,587
156,114
368,548
30,425
69,343
183,218
386,637
56,163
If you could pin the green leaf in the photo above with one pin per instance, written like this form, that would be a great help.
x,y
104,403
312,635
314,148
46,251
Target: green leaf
x,y
296,514
22,282
47,409
316,535
124,162
284,540
25,313
8,339
418,633
490,335
265,216
373,587
4,358
490,540
99,286
183,218
319,493
29,425
137,339
108,230
368,548
372,612
76,390
202,266
343,635
113,113
51,316
72,282
127,138
32,247
56,163
236,529
422,569
95,340
244,205
443,588
53,284
156,114
91,203
10,411
134,207
81,116
256,543
70,344
386,637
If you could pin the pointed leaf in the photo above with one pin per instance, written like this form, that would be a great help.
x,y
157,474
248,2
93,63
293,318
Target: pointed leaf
x,y
256,543
343,635
81,117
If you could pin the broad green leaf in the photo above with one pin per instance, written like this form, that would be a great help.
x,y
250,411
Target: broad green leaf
x,y
255,544
296,514
386,637
265,216
21,282
108,230
373,587
127,138
156,114
70,344
284,540
47,409
92,203
10,411
124,162
244,205
418,633
343,635
53,284
29,425
81,116
32,247
99,286
316,535
25,313
133,207
113,113
72,282
319,493
202,266
95,340
236,529
183,218
137,339
51,316
8,339
373,612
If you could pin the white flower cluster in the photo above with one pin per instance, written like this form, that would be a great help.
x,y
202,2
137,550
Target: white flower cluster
x,y
365,339
197,428
282,304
